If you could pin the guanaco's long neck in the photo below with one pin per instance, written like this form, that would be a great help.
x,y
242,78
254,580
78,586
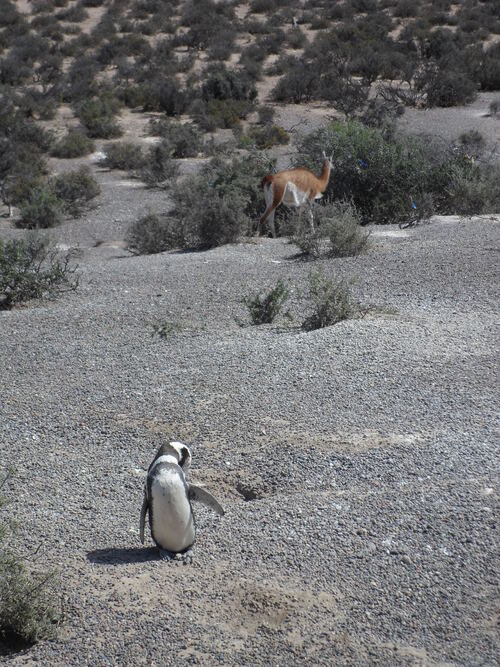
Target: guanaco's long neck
x,y
324,177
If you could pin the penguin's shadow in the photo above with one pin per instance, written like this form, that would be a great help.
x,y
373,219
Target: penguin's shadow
x,y
123,556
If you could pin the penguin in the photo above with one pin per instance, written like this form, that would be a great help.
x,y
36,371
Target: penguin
x,y
167,498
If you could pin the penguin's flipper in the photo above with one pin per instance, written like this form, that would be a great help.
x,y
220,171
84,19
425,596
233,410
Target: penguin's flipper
x,y
144,509
202,496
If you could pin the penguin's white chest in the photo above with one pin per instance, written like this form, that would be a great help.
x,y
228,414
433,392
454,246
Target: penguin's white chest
x,y
172,524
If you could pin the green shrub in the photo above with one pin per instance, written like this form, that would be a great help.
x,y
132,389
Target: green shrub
x,y
299,84
31,268
220,113
340,223
472,190
19,179
28,605
223,202
266,115
296,39
210,23
310,241
494,107
473,142
449,87
337,231
223,84
164,94
265,307
75,14
265,137
209,217
74,144
154,233
489,70
42,209
97,116
159,165
75,189
330,302
123,155
133,96
382,176
184,139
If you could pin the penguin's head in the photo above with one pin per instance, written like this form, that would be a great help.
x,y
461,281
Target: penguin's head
x,y
182,452
176,450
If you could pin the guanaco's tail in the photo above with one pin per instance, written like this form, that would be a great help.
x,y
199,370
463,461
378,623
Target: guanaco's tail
x,y
265,180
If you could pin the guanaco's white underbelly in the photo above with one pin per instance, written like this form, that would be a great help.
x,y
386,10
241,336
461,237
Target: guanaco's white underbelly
x,y
172,522
293,196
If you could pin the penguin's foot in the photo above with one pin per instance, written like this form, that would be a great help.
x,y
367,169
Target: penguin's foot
x,y
186,557
166,555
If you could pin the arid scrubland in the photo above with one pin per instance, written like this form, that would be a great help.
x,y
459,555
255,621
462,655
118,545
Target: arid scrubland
x,y
335,384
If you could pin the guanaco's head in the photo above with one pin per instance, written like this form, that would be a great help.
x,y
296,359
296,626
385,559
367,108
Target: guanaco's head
x,y
327,160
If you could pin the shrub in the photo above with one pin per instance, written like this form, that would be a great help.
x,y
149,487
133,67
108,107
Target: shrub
x,y
298,85
75,14
159,165
309,241
489,70
31,268
209,217
340,223
207,22
152,234
296,39
75,189
472,190
447,88
220,113
405,9
265,307
42,209
122,155
97,116
223,84
222,203
34,103
166,95
74,144
266,115
265,137
28,605
223,47
184,139
337,231
494,107
473,142
18,177
382,176
331,302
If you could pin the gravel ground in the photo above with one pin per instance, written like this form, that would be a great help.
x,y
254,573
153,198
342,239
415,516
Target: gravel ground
x,y
355,463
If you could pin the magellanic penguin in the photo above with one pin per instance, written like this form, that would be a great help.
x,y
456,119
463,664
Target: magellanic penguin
x,y
167,497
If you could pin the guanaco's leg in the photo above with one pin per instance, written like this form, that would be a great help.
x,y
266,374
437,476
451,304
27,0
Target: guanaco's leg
x,y
273,200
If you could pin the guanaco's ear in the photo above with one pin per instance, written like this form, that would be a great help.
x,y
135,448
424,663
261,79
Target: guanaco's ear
x,y
324,155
